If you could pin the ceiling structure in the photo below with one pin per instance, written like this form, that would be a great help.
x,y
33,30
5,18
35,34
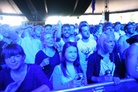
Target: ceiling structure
x,y
114,6
38,10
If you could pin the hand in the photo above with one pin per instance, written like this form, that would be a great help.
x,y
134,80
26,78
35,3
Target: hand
x,y
116,80
58,46
45,62
59,24
12,87
106,78
79,80
77,83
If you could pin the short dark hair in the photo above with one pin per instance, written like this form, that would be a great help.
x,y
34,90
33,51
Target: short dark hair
x,y
107,24
11,50
48,25
82,25
65,25
116,23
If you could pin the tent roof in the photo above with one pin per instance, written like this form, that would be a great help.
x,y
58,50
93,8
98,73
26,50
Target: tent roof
x,y
38,10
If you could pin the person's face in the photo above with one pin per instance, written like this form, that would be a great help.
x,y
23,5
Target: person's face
x,y
117,27
108,30
15,62
29,31
72,29
130,29
109,44
48,29
100,28
71,54
85,32
5,34
38,31
66,31
48,40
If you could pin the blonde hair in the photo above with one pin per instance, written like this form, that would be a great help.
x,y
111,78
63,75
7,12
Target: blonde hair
x,y
102,39
43,37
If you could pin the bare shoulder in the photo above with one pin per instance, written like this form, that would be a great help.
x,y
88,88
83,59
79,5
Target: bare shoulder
x,y
133,49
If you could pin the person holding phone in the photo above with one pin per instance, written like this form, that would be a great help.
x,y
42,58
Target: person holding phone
x,y
69,73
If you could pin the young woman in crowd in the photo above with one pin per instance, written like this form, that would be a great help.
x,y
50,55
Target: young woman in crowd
x,y
104,65
48,57
66,74
19,76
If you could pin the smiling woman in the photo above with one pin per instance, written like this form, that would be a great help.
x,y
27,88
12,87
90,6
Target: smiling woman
x,y
17,75
69,73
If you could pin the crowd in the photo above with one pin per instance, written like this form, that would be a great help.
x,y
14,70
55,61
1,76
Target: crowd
x,y
61,56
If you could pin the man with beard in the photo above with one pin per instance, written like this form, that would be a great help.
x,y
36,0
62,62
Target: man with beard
x,y
122,44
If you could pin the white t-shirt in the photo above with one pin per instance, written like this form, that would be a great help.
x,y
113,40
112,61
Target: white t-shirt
x,y
83,48
118,34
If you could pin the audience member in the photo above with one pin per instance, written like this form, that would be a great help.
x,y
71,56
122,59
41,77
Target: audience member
x,y
104,65
48,28
98,31
131,57
66,74
73,33
122,44
17,75
79,36
63,35
108,28
6,35
86,46
37,32
30,45
117,30
65,52
48,57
